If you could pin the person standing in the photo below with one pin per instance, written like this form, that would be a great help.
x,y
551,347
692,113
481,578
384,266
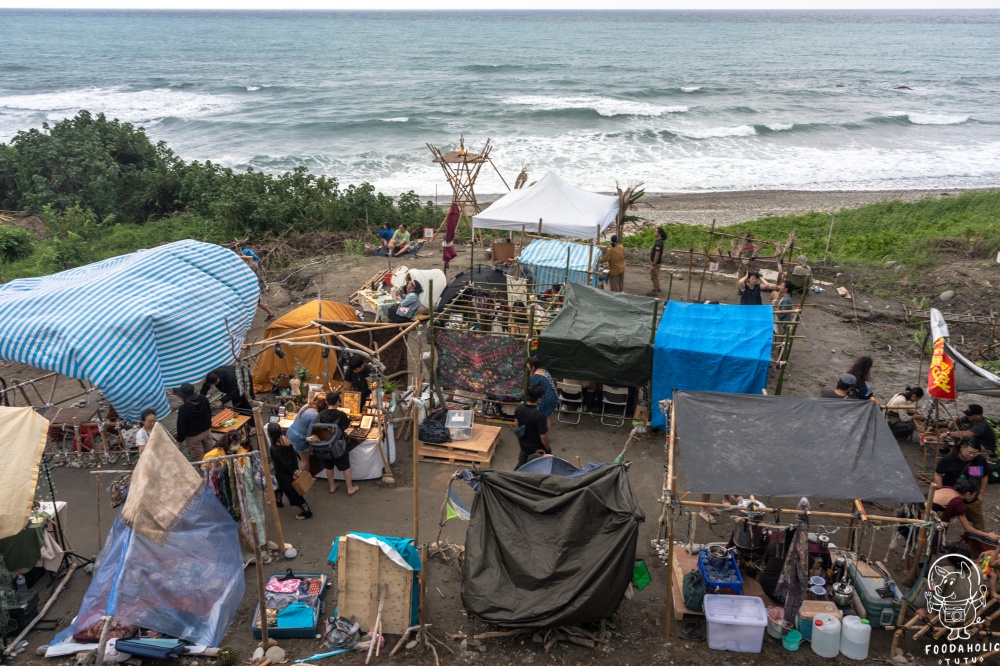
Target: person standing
x,y
358,373
532,426
655,259
147,420
541,378
967,462
749,288
974,424
224,379
783,309
286,470
194,422
301,428
614,258
331,416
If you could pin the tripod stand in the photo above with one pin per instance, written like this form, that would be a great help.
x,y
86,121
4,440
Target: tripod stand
x,y
68,553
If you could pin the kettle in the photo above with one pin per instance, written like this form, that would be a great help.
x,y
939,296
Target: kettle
x,y
843,594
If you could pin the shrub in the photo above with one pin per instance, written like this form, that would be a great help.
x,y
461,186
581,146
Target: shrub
x,y
15,243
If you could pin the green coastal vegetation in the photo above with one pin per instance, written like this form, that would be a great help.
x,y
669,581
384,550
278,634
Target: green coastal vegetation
x,y
102,188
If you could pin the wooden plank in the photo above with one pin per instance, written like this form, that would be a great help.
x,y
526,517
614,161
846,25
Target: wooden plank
x,y
454,457
362,569
484,437
342,573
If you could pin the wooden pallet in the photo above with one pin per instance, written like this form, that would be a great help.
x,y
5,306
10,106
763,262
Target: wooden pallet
x,y
479,449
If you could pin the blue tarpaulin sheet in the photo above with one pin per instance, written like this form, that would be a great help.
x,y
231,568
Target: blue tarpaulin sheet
x,y
721,348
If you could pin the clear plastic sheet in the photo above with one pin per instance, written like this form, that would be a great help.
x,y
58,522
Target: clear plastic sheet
x,y
189,588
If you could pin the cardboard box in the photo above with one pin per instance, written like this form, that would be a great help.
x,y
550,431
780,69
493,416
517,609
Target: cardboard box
x,y
503,251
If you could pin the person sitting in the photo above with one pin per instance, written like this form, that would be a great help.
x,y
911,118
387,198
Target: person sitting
x,y
749,287
974,424
407,309
845,388
966,463
862,371
801,275
224,379
386,234
903,422
554,294
952,502
400,242
749,248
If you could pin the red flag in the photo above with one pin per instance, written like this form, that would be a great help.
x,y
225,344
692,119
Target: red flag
x,y
450,225
941,376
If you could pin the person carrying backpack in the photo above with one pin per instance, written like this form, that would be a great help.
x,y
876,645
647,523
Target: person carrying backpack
x,y
328,443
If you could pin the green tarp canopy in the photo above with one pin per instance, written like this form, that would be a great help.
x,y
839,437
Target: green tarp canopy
x,y
601,336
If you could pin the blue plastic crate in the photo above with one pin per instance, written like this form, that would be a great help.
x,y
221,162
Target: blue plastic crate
x,y
710,575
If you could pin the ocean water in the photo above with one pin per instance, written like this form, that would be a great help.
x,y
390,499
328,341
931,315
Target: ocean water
x,y
684,101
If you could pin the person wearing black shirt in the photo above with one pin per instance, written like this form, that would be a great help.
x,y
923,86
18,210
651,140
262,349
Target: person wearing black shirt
x,y
845,388
749,287
358,373
285,464
532,426
655,259
332,415
194,422
224,378
968,462
974,424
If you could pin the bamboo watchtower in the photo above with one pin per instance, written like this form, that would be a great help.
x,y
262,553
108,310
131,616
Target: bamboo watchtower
x,y
461,168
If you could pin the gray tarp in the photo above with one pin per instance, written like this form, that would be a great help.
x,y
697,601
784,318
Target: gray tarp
x,y
789,447
970,378
600,336
547,551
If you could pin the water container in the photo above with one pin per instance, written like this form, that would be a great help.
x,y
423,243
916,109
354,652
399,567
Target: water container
x,y
826,636
855,635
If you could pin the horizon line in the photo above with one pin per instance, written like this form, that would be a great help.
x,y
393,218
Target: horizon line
x,y
471,10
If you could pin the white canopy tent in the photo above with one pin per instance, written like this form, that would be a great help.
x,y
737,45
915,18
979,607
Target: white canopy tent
x,y
551,206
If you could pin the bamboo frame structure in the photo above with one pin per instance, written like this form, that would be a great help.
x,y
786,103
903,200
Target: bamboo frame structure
x,y
670,500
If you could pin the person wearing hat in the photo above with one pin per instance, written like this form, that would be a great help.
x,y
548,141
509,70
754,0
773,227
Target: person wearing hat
x,y
194,422
801,275
967,462
974,424
845,388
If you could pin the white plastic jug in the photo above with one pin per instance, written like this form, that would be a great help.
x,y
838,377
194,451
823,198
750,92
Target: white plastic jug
x,y
855,635
826,635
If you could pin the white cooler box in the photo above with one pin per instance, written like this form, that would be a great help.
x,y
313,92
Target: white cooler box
x,y
735,623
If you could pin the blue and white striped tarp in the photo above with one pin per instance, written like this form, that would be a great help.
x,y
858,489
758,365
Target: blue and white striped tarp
x,y
134,325
545,260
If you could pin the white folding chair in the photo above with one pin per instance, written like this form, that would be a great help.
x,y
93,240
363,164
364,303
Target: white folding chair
x,y
569,394
617,397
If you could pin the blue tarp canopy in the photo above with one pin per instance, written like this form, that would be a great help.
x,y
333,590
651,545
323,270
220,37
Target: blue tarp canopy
x,y
699,347
545,261
134,325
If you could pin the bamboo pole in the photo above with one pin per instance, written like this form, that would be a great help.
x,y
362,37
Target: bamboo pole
x,y
261,603
566,279
821,514
102,644
521,246
265,462
97,487
704,266
423,595
430,332
45,609
690,267
671,489
670,284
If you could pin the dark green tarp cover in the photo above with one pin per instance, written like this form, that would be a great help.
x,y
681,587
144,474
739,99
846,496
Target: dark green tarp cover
x,y
546,551
600,336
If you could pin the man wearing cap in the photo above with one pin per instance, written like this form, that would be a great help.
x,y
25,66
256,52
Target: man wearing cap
x,y
966,462
801,275
845,388
194,422
973,424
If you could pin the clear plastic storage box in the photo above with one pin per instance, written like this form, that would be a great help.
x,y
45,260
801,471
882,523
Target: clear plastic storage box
x,y
459,424
735,623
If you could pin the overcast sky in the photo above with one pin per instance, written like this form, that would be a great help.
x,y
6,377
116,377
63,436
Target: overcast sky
x,y
501,4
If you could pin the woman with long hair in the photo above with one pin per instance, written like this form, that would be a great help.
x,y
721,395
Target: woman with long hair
x,y
862,371
286,470
541,378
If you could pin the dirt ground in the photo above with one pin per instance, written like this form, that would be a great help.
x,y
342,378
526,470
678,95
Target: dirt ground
x,y
834,334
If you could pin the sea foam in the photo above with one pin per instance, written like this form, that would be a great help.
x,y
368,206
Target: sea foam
x,y
605,106
126,105
930,119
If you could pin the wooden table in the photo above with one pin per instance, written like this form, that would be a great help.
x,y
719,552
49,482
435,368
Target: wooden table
x,y
479,449
225,415
72,416
683,563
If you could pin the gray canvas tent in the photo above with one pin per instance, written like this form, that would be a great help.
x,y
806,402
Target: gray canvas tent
x,y
601,336
549,550
782,446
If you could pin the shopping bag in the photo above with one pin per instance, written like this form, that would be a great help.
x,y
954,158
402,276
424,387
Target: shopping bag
x,y
305,482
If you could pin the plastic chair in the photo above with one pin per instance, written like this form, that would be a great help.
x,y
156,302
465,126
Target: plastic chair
x,y
569,394
616,396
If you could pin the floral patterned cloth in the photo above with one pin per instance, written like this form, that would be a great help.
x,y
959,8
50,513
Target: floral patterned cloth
x,y
481,363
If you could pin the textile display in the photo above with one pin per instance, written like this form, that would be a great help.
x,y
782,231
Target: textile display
x,y
164,484
22,440
600,336
545,261
517,290
700,347
550,206
269,365
549,551
244,502
732,443
482,278
480,363
163,316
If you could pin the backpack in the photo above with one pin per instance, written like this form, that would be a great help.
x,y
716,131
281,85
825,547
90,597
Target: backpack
x,y
433,432
332,448
694,591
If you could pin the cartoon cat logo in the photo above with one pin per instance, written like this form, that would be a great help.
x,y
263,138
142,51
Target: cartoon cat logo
x,y
955,591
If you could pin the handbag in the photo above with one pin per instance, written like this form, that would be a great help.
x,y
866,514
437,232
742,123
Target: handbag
x,y
433,432
694,591
303,483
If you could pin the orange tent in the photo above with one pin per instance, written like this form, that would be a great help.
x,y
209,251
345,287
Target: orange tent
x,y
268,363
